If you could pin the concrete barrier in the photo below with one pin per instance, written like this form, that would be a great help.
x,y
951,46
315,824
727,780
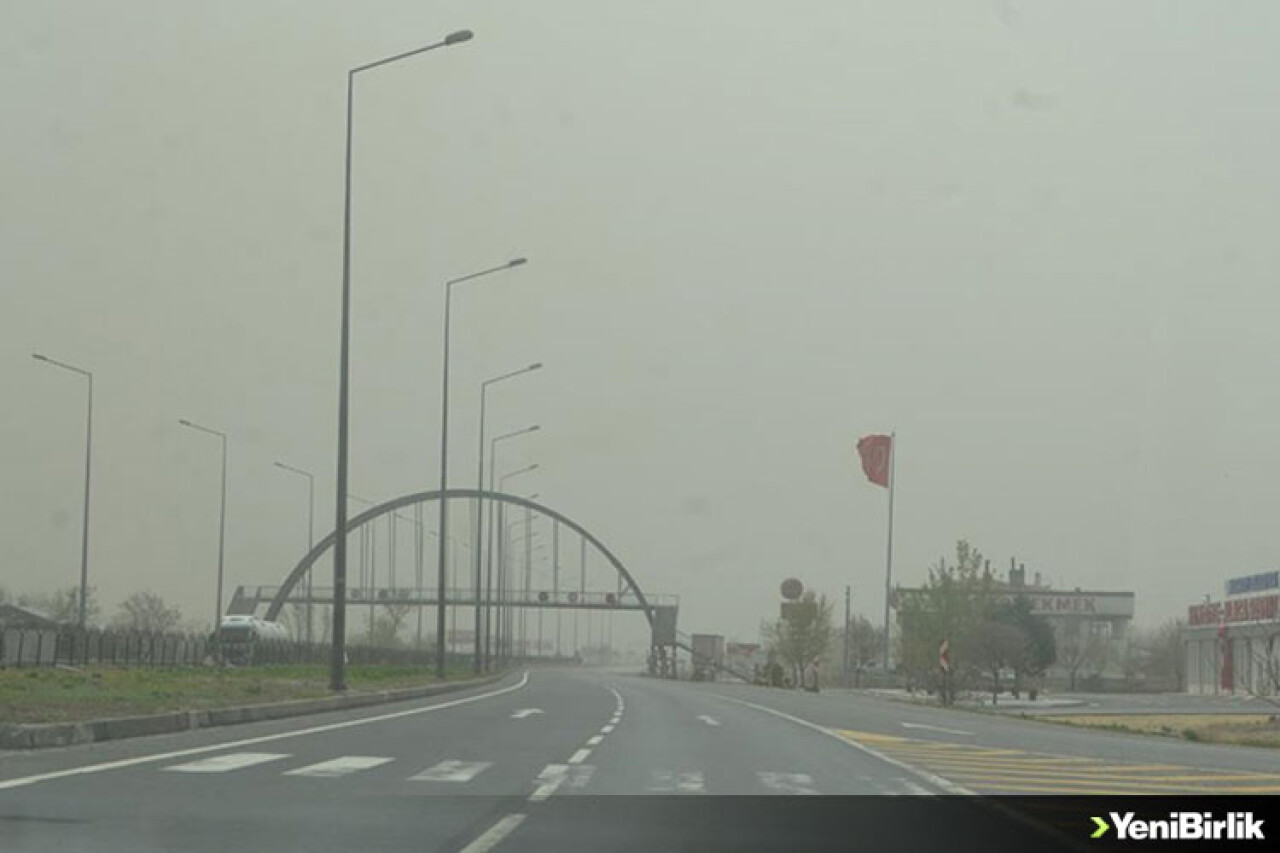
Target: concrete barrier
x,y
42,736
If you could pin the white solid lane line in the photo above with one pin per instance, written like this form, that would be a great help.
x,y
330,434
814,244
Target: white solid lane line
x,y
493,835
579,756
452,770
336,767
595,741
200,750
223,763
708,719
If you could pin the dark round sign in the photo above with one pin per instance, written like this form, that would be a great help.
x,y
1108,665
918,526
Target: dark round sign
x,y
792,589
610,598
573,598
542,596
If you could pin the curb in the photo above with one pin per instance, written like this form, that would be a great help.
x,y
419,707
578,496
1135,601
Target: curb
x,y
42,736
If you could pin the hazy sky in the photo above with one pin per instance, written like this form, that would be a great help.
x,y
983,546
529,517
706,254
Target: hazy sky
x,y
1037,240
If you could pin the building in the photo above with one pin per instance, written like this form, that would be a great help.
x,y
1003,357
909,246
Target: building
x,y
1233,646
12,616
1090,627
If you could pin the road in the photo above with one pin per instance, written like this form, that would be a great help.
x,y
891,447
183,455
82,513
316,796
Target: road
x,y
522,765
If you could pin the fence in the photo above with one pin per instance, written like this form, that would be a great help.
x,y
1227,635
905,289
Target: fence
x,y
30,647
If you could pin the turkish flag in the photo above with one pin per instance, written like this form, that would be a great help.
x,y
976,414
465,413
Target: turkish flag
x,y
876,452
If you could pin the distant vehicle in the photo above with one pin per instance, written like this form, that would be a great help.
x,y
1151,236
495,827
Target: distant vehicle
x,y
238,637
708,655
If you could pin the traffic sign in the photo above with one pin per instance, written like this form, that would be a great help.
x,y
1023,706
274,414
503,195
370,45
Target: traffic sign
x,y
792,589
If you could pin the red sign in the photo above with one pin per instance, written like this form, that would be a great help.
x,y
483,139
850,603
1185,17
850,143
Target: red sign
x,y
876,452
944,656
1260,608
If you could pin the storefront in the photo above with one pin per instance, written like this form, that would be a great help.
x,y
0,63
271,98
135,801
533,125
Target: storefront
x,y
1233,646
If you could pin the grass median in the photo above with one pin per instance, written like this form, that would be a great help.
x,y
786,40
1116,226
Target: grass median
x,y
1239,729
67,695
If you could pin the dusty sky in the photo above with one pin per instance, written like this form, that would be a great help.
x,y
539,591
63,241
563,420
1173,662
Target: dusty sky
x,y
1036,240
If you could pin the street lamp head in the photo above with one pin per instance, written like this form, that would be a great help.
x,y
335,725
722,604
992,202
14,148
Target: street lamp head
x,y
185,422
533,467
37,356
534,428
517,262
458,37
537,365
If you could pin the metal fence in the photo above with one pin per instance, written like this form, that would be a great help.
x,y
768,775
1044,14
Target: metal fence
x,y
31,647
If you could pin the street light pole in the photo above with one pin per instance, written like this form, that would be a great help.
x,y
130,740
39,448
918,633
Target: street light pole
x,y
311,534
444,451
493,467
88,467
337,661
484,390
502,484
222,515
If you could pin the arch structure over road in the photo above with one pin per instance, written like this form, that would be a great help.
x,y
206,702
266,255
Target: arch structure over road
x,y
324,545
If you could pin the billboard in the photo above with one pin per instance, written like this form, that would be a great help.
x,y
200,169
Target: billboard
x,y
1260,582
664,625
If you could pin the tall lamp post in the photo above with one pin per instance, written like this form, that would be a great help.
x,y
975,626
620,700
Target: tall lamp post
x,y
88,456
337,660
476,546
488,580
222,514
311,532
502,485
444,446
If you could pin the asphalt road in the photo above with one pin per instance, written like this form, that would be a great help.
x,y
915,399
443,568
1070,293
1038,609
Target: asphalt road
x,y
529,764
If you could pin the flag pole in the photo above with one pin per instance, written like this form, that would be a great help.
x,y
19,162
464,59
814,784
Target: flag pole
x,y
888,560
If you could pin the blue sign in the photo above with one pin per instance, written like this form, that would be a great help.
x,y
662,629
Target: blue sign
x,y
1254,583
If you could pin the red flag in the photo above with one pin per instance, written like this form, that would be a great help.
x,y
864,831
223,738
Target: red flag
x,y
876,451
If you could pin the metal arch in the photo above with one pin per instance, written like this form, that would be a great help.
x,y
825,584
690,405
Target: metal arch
x,y
300,570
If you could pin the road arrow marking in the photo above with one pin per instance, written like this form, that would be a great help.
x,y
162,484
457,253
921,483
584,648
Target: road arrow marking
x,y
936,729
708,719
525,712
1103,826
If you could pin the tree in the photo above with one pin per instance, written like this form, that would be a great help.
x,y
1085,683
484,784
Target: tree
x,y
1038,649
952,605
1267,686
866,644
995,645
1080,648
804,636
1160,653
63,605
146,611
385,630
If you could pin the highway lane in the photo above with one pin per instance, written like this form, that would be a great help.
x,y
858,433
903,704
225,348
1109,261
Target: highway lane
x,y
518,765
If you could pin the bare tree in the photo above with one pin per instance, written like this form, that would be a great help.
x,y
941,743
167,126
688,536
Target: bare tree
x,y
146,611
1267,658
1079,649
63,605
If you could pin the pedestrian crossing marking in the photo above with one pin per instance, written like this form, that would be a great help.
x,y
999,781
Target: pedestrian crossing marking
x,y
335,767
1018,771
787,783
452,770
227,762
677,782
